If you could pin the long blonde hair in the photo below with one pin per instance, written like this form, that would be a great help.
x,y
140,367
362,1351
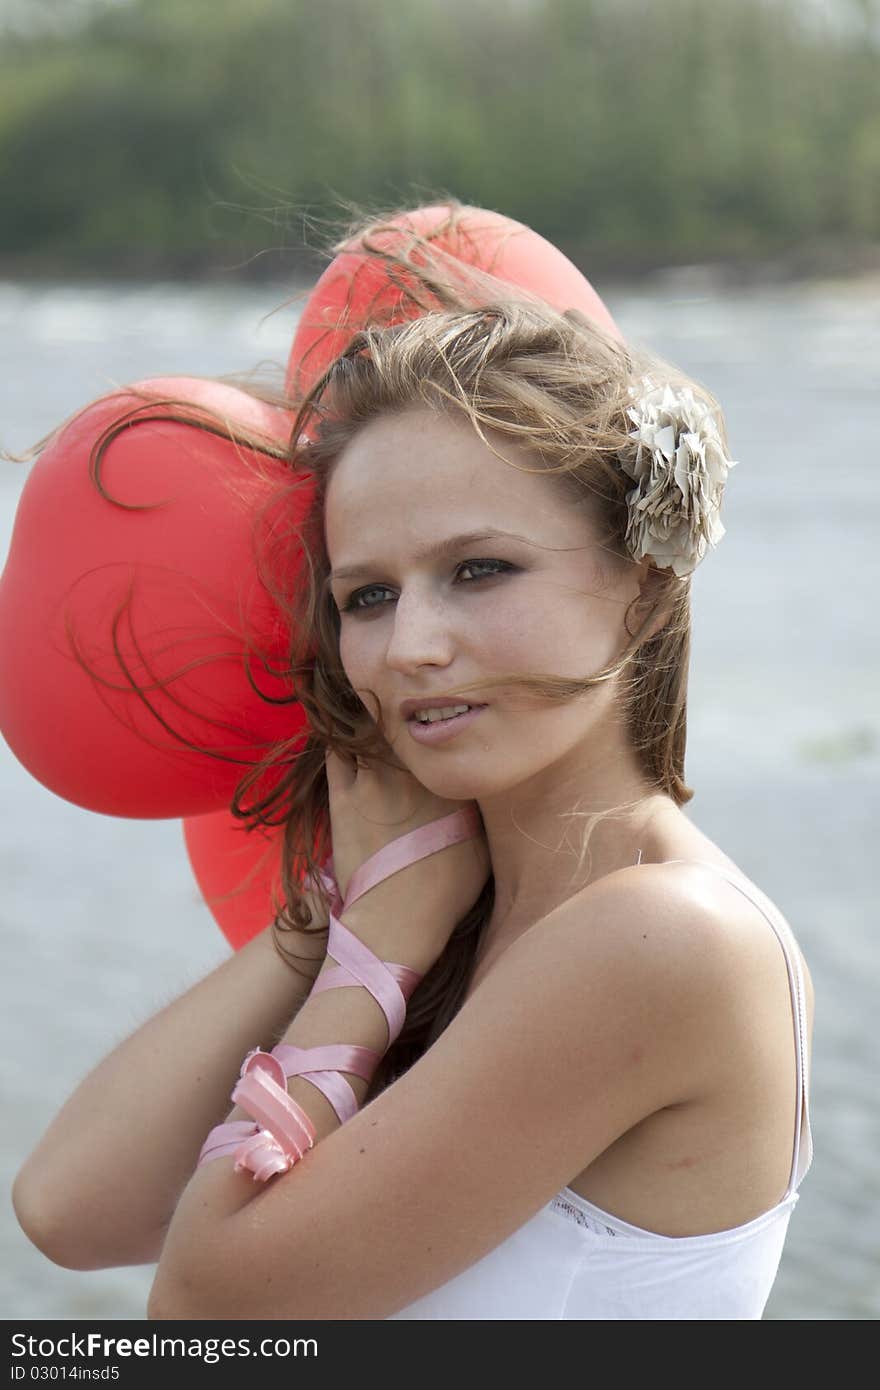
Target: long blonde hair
x,y
471,346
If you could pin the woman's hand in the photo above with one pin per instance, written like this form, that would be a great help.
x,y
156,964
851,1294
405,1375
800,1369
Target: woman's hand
x,y
410,916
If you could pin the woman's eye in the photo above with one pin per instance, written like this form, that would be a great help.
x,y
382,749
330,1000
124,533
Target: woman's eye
x,y
475,564
356,602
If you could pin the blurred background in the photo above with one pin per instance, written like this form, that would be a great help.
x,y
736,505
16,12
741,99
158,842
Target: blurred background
x,y
713,166
153,137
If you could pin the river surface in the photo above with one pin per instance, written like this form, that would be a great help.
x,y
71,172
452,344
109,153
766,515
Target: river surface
x,y
102,922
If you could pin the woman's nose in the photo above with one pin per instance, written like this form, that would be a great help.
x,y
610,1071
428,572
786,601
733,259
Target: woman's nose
x,y
421,634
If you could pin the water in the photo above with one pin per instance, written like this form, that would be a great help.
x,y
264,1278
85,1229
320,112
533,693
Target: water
x,y
103,923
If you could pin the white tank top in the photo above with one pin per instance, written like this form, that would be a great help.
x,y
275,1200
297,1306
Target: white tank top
x,y
573,1260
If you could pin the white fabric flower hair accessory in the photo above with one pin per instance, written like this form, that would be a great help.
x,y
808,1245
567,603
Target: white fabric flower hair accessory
x,y
680,469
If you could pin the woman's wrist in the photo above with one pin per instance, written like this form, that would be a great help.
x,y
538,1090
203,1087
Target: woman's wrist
x,y
350,1015
354,1021
397,943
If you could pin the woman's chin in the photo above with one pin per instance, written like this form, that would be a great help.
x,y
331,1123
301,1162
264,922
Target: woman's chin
x,y
461,785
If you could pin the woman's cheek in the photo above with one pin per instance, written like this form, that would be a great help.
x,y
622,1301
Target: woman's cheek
x,y
516,634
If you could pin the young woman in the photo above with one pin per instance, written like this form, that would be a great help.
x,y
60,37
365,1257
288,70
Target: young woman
x,y
527,1044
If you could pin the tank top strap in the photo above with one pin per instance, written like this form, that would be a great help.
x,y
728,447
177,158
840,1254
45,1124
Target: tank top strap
x,y
803,1140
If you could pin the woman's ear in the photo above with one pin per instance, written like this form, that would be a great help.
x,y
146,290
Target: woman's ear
x,y
654,592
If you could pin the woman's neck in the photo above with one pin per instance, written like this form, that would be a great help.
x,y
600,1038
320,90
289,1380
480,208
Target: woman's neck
x,y
535,840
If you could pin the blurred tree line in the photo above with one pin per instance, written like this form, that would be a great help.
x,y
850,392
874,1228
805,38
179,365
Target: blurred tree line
x,y
161,136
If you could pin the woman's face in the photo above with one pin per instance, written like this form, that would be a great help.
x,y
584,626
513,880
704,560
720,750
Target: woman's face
x,y
425,612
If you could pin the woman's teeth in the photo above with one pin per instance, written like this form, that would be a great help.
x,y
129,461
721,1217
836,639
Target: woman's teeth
x,y
431,716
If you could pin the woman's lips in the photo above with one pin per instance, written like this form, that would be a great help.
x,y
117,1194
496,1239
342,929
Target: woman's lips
x,y
440,730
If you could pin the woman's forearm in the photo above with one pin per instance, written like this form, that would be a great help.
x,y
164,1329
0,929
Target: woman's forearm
x,y
101,1186
190,1281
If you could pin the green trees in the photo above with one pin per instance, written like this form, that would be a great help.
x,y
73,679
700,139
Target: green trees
x,y
162,136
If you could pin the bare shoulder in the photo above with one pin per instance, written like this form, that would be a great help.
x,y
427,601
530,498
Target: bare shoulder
x,y
712,934
674,937
675,909
641,979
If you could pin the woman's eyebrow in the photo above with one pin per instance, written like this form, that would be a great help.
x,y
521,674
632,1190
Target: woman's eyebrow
x,y
439,550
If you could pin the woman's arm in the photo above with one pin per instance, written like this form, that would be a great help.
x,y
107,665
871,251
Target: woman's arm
x,y
588,1023
100,1188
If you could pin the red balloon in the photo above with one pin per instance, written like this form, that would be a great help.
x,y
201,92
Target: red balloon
x,y
165,599
169,597
355,289
238,872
